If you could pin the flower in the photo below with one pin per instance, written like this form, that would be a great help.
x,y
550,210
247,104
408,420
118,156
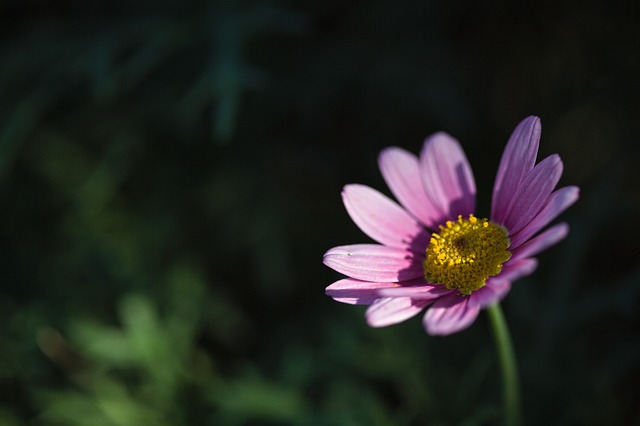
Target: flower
x,y
433,252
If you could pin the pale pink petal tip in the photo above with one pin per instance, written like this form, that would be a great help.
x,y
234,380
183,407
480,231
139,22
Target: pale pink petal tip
x,y
393,310
382,219
375,263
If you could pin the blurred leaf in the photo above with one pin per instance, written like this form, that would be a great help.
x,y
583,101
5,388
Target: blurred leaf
x,y
107,346
108,403
251,397
150,342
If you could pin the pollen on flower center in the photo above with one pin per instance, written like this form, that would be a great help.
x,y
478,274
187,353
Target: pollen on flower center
x,y
465,253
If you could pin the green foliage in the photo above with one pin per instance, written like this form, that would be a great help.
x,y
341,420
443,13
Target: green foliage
x,y
170,176
148,369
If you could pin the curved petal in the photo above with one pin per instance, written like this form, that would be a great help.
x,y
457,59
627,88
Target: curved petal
x,y
542,242
450,314
558,202
418,292
401,172
393,310
375,263
447,176
533,193
498,287
494,291
515,269
356,292
517,161
382,219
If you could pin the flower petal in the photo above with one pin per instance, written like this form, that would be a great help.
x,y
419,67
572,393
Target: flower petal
x,y
517,161
401,172
447,176
449,315
498,287
531,196
382,219
492,292
515,269
418,292
542,242
375,263
557,202
356,292
393,310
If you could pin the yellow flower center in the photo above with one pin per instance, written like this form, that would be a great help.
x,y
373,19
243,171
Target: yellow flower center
x,y
465,253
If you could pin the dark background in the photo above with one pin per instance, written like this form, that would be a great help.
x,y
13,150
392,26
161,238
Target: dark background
x,y
170,176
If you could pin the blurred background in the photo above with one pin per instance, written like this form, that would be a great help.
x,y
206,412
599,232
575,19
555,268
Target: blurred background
x,y
170,177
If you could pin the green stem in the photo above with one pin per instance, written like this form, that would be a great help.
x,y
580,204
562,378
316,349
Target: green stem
x,y
508,365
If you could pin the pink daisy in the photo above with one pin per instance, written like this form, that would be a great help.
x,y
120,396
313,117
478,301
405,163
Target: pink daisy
x,y
433,252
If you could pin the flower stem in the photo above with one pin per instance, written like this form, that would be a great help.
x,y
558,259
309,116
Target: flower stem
x,y
508,365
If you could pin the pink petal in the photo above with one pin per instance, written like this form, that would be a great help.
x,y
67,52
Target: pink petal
x,y
393,310
450,314
418,292
375,263
401,172
531,196
542,242
517,161
492,292
447,176
497,287
382,219
356,292
558,202
516,268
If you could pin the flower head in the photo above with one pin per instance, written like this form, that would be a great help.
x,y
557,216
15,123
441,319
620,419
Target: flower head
x,y
433,252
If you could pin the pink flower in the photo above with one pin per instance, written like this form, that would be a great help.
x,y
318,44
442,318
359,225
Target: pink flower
x,y
433,252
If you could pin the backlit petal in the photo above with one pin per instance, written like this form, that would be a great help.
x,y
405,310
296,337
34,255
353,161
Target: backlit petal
x,y
375,263
516,268
542,242
382,219
494,291
393,310
517,161
557,202
447,176
421,292
449,315
531,196
401,172
356,292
